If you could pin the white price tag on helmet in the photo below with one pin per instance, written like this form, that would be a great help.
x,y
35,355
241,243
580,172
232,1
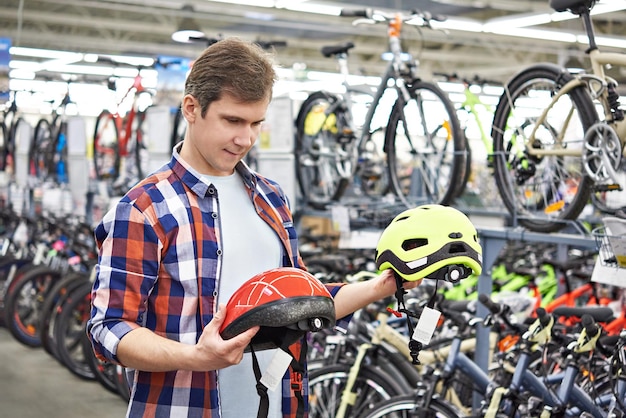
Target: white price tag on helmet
x,y
276,370
426,325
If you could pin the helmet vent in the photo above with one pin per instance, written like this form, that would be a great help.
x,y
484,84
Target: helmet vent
x,y
457,248
411,244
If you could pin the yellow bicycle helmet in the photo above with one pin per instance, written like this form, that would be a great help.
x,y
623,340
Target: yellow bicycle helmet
x,y
430,241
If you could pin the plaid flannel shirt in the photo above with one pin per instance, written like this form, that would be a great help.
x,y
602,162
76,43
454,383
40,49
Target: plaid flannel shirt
x,y
159,268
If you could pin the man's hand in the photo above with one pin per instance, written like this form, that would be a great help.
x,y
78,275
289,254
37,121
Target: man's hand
x,y
213,352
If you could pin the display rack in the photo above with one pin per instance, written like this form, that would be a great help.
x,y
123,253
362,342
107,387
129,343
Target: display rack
x,y
360,223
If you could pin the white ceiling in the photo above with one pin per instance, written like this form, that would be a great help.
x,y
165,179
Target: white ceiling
x,y
144,27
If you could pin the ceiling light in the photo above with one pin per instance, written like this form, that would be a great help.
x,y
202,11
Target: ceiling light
x,y
188,29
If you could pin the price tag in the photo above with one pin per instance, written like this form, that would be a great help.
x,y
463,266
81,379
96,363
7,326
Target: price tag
x,y
276,370
426,325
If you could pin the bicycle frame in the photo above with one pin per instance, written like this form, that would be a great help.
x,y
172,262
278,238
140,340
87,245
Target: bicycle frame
x,y
125,123
392,72
385,333
596,83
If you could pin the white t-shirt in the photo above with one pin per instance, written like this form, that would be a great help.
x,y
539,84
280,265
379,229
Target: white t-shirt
x,y
250,246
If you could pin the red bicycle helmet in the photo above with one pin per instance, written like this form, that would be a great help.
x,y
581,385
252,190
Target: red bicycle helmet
x,y
285,302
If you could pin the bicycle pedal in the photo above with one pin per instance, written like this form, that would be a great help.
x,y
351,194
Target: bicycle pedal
x,y
607,187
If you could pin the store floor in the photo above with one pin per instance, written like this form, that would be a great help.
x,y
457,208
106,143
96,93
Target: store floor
x,y
34,385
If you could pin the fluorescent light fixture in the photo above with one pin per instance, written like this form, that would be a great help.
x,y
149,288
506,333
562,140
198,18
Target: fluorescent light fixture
x,y
255,3
608,6
450,87
519,20
460,24
105,71
22,74
534,34
41,53
605,41
388,56
320,9
267,17
492,90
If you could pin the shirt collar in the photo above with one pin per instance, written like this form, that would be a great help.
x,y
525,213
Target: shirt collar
x,y
192,179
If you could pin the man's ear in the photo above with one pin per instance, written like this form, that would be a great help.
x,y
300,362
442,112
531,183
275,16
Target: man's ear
x,y
190,108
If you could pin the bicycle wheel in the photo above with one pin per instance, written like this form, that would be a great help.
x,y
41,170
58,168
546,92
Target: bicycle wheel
x,y
69,329
137,152
543,191
23,302
323,160
39,151
4,134
408,406
425,147
53,306
58,155
327,383
105,152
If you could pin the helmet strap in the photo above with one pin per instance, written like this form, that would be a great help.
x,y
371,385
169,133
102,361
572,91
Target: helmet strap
x,y
414,346
261,389
296,376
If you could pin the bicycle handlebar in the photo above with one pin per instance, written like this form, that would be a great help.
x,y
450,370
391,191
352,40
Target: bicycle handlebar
x,y
501,310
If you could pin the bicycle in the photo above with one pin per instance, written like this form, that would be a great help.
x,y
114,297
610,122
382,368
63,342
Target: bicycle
x,y
474,114
47,151
119,151
374,362
423,146
8,125
551,150
526,394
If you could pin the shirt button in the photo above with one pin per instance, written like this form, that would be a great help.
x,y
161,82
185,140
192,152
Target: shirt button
x,y
211,190
214,215
219,252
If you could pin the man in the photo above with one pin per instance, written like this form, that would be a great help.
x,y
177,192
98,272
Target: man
x,y
185,238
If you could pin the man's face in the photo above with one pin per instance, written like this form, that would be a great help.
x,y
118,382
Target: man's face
x,y
216,143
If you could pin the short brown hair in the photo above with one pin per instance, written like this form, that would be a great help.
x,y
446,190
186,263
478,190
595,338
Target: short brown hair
x,y
239,68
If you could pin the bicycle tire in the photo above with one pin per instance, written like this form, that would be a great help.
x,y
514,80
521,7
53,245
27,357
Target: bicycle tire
x,y
58,155
23,302
105,147
104,372
542,192
408,406
39,150
326,385
52,307
320,138
137,158
3,144
69,328
462,185
428,164
11,145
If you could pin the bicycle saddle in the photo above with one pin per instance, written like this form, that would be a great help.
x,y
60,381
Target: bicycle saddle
x,y
330,50
575,6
